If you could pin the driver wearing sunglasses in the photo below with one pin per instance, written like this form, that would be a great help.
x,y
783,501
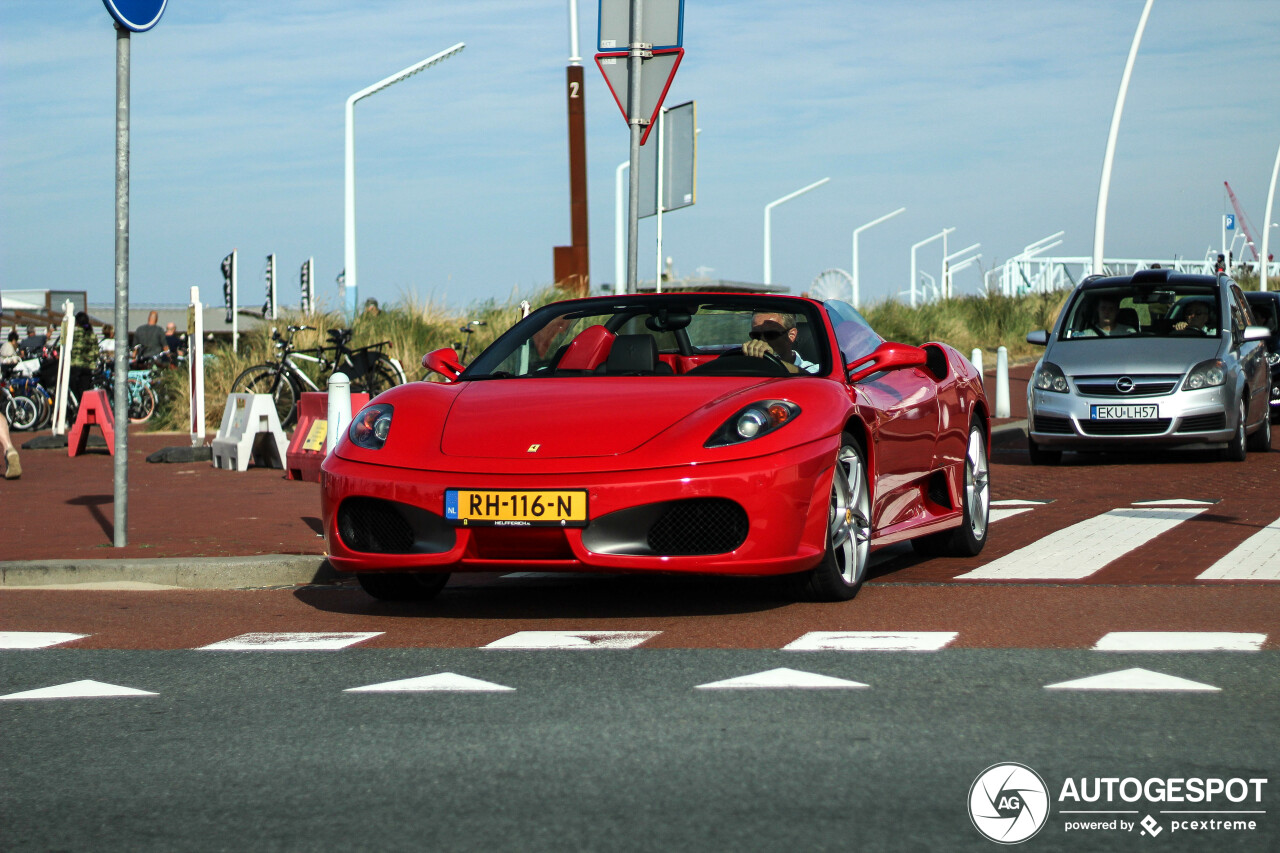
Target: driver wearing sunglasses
x,y
776,334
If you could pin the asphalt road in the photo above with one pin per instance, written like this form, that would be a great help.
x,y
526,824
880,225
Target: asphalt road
x,y
621,750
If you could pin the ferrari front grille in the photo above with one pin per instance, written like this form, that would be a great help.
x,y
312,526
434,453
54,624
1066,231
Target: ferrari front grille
x,y
699,526
374,526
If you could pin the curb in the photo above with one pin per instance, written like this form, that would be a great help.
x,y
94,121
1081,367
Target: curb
x,y
1009,436
267,570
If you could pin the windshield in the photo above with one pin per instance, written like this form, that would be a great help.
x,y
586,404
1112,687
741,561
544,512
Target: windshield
x,y
1126,311
661,335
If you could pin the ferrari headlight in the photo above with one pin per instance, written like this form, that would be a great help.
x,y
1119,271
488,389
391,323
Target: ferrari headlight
x,y
1206,374
754,421
1050,378
370,426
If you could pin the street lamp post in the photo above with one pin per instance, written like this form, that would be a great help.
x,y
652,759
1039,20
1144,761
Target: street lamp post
x,y
349,229
768,210
939,235
857,289
1267,224
1104,188
948,269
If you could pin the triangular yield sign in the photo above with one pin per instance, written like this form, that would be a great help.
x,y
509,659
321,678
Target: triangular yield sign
x,y
78,690
442,682
656,74
1134,679
781,679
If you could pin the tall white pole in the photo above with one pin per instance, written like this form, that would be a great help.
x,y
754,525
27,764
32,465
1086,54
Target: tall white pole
x,y
1266,223
857,289
619,232
349,182
768,210
574,58
1100,220
943,233
657,206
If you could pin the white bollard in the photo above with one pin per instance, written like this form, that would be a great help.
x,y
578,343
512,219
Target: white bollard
x,y
1002,383
339,409
195,364
976,360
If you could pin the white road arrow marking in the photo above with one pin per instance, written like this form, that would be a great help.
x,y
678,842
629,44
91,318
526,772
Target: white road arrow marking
x,y
79,690
1078,551
35,639
1256,558
1134,679
1179,641
292,642
871,641
573,640
441,682
782,679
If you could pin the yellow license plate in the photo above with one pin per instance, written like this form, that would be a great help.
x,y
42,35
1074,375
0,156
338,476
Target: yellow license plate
x,y
516,508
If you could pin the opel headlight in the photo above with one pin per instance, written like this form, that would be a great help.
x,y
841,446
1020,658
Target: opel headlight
x,y
370,426
1206,374
754,421
1051,378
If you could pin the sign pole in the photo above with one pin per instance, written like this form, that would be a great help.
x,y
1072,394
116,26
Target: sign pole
x,y
635,59
121,362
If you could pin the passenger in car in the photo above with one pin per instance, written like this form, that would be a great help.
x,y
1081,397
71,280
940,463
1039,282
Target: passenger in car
x,y
1104,323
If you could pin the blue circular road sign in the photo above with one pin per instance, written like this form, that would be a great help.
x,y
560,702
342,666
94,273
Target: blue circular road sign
x,y
136,15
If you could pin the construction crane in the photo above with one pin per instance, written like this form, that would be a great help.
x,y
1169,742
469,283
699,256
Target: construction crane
x,y
1243,220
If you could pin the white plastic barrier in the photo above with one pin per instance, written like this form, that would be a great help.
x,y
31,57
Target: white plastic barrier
x,y
976,360
250,433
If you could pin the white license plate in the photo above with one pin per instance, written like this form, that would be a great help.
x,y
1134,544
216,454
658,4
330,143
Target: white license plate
x,y
1124,413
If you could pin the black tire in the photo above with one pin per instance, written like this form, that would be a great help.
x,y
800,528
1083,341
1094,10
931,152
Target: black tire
x,y
844,563
267,379
142,402
1042,457
402,586
1260,441
968,539
1238,449
380,376
22,412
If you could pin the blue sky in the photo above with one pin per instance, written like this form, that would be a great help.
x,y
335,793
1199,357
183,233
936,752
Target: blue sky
x,y
990,117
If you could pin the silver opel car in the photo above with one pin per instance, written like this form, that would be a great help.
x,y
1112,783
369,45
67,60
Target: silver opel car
x,y
1156,359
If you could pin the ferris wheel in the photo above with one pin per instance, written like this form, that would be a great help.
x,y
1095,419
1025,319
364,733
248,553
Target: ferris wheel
x,y
832,284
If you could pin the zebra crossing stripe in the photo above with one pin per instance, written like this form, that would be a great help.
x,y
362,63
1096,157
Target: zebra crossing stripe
x,y
1078,551
871,641
1180,641
35,639
293,641
1255,559
572,640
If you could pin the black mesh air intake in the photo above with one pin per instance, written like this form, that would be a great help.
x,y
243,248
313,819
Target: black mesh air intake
x,y
699,526
374,526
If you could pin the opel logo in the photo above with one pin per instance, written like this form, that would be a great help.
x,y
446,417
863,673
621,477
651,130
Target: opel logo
x,y
1124,384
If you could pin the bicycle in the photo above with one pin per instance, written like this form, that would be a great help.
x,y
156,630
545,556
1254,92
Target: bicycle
x,y
370,370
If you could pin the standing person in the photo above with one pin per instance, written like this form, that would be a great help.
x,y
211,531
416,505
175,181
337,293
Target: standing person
x,y
172,340
107,348
12,466
84,355
149,339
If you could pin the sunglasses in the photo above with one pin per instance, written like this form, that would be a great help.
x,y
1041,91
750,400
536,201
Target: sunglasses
x,y
768,335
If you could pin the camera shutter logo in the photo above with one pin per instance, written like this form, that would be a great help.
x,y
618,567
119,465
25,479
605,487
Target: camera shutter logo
x,y
1008,803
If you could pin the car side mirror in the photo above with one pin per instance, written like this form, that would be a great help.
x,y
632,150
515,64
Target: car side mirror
x,y
444,361
887,356
1256,333
1039,337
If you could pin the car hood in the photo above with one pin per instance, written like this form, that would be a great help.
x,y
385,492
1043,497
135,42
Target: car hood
x,y
571,418
1131,355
